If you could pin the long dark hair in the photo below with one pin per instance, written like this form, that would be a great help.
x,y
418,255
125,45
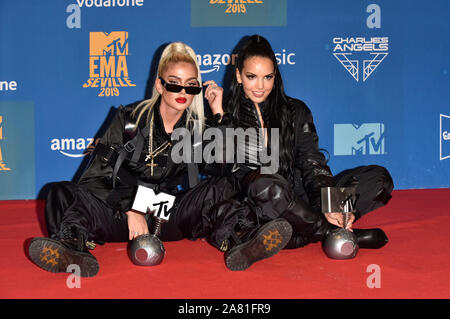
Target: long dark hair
x,y
276,110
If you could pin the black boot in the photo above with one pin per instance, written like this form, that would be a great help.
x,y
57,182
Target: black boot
x,y
55,255
249,247
236,230
310,227
370,238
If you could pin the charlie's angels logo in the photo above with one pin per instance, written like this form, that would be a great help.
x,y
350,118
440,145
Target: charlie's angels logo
x,y
108,68
354,52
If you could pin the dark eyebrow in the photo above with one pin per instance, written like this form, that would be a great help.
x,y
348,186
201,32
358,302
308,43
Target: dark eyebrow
x,y
178,78
250,73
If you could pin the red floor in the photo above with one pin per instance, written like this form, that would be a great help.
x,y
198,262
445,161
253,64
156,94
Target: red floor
x,y
414,264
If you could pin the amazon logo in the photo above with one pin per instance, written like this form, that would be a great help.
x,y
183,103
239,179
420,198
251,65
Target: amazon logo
x,y
72,147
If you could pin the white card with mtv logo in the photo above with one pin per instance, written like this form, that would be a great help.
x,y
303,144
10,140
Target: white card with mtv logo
x,y
147,201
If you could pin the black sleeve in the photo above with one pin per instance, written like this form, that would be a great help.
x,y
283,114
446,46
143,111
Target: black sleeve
x,y
97,177
218,168
308,158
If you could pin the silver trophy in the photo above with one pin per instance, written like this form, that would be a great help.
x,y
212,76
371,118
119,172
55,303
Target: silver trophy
x,y
147,249
339,243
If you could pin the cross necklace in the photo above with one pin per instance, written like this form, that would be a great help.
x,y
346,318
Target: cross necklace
x,y
153,153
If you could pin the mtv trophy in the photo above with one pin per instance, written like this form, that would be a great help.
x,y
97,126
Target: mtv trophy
x,y
147,249
339,243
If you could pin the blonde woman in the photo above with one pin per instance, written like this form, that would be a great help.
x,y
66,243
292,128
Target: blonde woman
x,y
134,150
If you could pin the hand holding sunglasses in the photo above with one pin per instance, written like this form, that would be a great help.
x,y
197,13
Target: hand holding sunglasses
x,y
175,88
214,95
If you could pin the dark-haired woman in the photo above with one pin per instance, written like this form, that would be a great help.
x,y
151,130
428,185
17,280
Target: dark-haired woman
x,y
257,99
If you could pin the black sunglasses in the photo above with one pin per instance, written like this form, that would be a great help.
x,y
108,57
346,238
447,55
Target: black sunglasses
x,y
175,88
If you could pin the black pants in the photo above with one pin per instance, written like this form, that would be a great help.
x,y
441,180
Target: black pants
x,y
373,183
72,209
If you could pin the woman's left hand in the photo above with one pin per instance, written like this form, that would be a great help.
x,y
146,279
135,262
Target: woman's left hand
x,y
338,220
214,95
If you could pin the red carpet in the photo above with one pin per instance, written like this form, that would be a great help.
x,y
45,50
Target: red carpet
x,y
414,264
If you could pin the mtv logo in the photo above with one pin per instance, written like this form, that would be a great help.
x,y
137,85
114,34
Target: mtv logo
x,y
338,199
364,139
444,140
147,201
112,43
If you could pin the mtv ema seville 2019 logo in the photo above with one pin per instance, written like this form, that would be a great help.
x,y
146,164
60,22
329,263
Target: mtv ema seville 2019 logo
x,y
108,68
238,13
2,163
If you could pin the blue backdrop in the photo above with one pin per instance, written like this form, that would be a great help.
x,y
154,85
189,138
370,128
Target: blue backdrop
x,y
374,73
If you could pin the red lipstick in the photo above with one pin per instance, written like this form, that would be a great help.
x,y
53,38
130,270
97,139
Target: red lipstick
x,y
181,100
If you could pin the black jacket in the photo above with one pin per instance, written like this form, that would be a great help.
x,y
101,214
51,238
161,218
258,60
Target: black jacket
x,y
97,178
310,170
168,176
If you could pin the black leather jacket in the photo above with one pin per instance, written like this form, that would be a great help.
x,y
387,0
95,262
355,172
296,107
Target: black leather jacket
x,y
310,169
167,176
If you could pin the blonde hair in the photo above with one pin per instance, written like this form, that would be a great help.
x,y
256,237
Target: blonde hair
x,y
173,53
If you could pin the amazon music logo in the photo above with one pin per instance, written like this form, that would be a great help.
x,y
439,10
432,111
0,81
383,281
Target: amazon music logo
x,y
213,62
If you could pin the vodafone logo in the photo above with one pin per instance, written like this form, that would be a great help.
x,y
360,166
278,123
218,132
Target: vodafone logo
x,y
71,147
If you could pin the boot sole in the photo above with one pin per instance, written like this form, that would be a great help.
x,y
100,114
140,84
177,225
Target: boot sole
x,y
53,256
268,241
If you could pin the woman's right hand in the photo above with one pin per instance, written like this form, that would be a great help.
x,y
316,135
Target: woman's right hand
x,y
137,224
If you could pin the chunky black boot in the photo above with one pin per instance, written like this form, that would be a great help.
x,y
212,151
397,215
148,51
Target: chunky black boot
x,y
373,238
310,227
57,255
237,231
263,242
